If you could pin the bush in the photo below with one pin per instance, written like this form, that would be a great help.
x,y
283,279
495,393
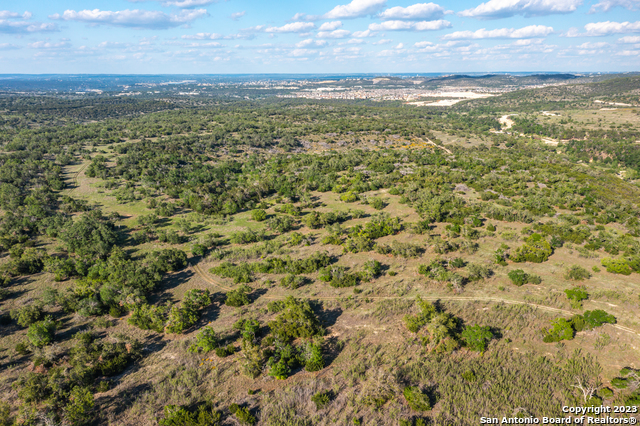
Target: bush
x,y
417,400
577,273
313,359
148,317
321,399
238,297
206,341
519,277
258,215
197,299
292,281
561,330
281,224
28,314
596,318
245,417
536,250
349,197
241,273
577,294
605,392
337,276
223,352
617,266
181,318
41,333
78,410
296,320
620,383
205,415
378,203
476,337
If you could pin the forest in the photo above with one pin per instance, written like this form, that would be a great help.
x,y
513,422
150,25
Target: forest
x,y
219,261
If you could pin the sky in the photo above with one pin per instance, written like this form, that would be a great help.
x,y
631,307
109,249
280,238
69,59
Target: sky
x,y
320,36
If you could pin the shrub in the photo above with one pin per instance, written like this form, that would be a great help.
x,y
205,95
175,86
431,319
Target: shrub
x,y
313,359
223,352
617,266
181,318
41,333
281,224
78,410
536,250
241,273
605,392
296,320
370,270
205,415
577,293
321,399
238,297
197,299
245,417
28,314
476,337
206,341
597,317
519,277
349,197
148,317
258,215
337,276
478,272
577,273
292,281
620,383
561,330
417,400
378,203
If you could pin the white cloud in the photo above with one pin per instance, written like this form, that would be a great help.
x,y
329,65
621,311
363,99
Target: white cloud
x,y
494,9
628,53
410,26
237,15
356,9
330,26
629,39
589,45
9,24
8,46
311,43
422,44
203,36
183,4
596,29
49,45
362,34
399,46
606,5
334,34
382,41
416,12
131,18
530,31
293,27
188,4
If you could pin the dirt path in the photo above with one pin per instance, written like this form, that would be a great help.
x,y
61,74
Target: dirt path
x,y
506,121
75,176
437,146
196,268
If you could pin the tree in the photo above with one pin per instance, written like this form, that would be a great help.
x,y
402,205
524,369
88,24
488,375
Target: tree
x,y
91,235
78,410
41,333
477,338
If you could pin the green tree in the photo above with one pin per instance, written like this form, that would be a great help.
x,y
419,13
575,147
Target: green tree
x,y
476,337
78,409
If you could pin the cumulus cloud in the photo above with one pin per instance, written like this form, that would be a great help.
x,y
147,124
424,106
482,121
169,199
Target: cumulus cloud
x,y
330,26
203,36
355,9
629,39
606,5
410,26
416,12
589,45
362,34
293,27
237,15
49,45
15,23
530,31
608,27
494,9
183,4
382,41
131,18
334,34
311,43
8,46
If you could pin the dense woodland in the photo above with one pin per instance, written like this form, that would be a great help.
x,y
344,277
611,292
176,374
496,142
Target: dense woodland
x,y
178,262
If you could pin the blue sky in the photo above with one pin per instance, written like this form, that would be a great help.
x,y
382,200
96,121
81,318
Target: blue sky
x,y
321,36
